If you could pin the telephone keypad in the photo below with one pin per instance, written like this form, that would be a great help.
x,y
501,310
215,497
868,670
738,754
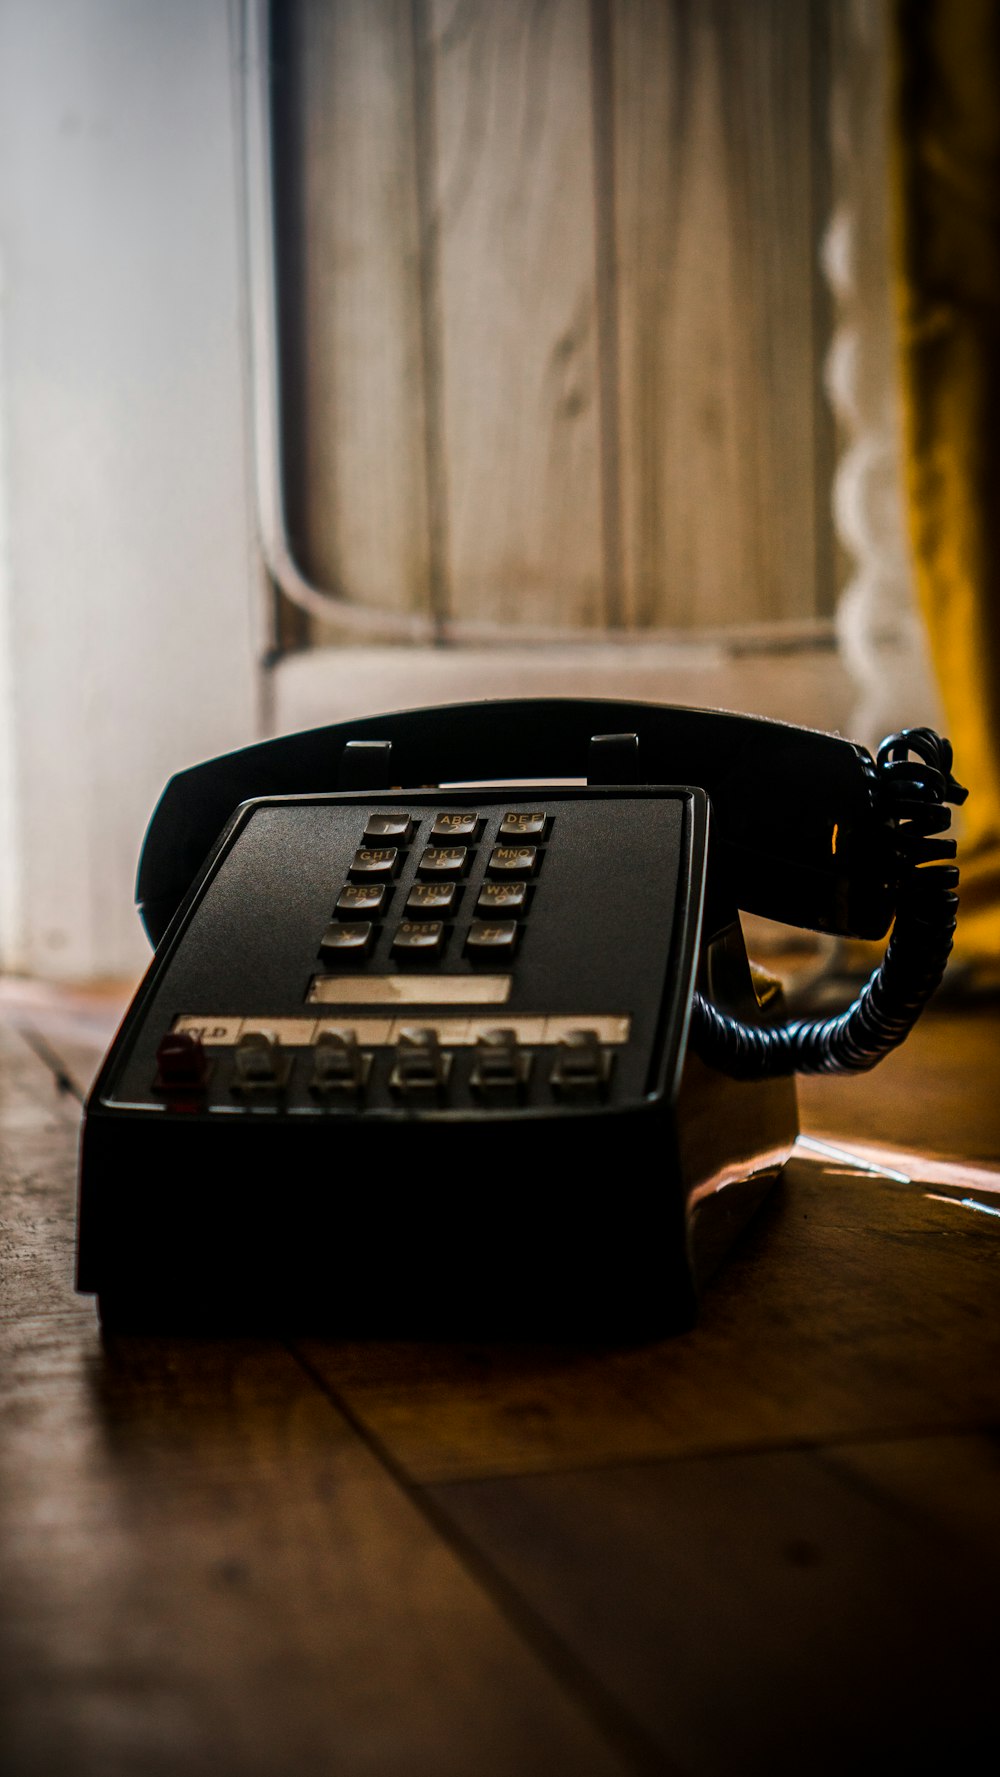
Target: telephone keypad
x,y
433,894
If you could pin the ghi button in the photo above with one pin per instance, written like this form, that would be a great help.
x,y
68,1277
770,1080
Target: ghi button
x,y
374,863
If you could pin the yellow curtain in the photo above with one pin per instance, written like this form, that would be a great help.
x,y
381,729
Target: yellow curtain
x,y
947,207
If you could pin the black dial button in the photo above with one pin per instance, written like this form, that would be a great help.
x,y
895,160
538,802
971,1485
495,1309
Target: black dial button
x,y
502,897
490,937
456,823
374,863
340,1068
346,943
421,1067
443,862
523,823
582,1067
361,900
513,862
392,827
501,1070
259,1064
430,898
421,937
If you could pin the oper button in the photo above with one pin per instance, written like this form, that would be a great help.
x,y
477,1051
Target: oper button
x,y
492,936
374,863
443,861
396,827
456,823
522,823
361,900
345,943
513,861
502,897
424,936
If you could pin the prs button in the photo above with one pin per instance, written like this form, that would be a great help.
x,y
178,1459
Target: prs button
x,y
502,897
443,862
423,936
513,862
374,863
396,827
361,900
345,943
431,897
522,823
456,823
492,936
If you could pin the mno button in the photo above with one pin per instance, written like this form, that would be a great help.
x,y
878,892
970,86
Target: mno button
x,y
513,861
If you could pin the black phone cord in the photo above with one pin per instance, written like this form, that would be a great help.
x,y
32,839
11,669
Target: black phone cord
x,y
915,784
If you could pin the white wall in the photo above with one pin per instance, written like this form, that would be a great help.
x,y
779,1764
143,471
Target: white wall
x,y
126,563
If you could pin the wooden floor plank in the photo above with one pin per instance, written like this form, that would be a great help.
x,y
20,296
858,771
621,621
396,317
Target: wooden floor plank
x,y
850,1308
38,1137
759,1614
515,1559
204,1569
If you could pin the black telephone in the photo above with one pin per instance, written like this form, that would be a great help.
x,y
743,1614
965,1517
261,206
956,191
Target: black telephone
x,y
485,1053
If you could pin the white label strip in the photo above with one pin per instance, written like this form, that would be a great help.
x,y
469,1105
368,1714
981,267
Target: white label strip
x,y
380,1033
410,990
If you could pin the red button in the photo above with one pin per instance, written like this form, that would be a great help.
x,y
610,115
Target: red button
x,y
181,1060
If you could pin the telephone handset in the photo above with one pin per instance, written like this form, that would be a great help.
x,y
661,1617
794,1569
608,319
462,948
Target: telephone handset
x,y
450,1025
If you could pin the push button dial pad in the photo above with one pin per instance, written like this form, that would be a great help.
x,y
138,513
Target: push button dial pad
x,y
486,957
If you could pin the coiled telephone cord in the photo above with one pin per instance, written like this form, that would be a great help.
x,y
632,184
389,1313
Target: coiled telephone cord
x,y
915,784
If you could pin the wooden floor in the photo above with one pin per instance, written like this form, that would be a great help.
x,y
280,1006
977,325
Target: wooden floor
x,y
770,1545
